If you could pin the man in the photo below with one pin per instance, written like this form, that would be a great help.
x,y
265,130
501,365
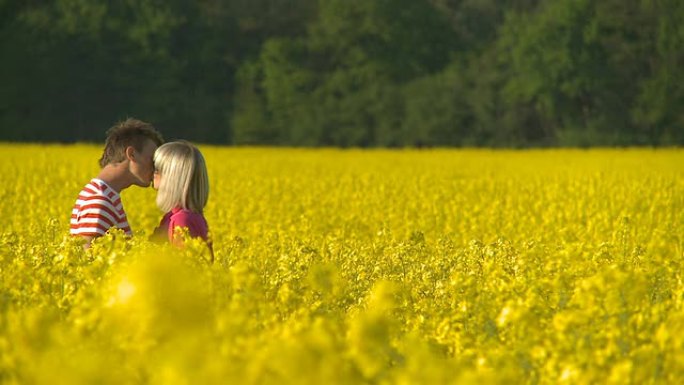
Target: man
x,y
126,161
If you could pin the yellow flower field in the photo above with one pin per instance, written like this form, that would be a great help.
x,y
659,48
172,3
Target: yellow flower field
x,y
354,267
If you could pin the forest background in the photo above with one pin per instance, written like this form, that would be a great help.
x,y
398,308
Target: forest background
x,y
349,73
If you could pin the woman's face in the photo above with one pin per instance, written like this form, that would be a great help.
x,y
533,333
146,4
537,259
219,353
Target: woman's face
x,y
156,179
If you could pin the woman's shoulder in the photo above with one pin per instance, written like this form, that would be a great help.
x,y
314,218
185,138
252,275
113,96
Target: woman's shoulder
x,y
185,215
195,222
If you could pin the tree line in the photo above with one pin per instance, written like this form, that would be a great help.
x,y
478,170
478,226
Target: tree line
x,y
512,73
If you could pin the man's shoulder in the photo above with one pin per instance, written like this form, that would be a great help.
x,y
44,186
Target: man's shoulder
x,y
98,189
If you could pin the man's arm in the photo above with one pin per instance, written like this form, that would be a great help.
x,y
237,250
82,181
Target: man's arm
x,y
88,240
94,220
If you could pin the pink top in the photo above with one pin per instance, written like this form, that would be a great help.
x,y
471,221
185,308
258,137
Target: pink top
x,y
196,224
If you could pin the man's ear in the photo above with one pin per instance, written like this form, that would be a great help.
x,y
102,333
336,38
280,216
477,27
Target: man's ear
x,y
130,153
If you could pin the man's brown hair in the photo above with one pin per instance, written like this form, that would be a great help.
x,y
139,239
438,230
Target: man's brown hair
x,y
130,132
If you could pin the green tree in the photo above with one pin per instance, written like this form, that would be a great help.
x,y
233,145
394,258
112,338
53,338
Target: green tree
x,y
338,84
587,73
657,111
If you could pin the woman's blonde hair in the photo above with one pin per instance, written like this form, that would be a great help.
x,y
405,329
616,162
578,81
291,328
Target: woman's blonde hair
x,y
183,172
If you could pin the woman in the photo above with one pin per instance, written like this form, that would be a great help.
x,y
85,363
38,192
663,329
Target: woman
x,y
180,177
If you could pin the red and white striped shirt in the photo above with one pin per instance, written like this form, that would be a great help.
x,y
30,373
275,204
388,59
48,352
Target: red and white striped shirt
x,y
97,209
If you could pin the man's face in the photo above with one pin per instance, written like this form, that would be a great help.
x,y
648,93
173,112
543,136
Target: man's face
x,y
142,165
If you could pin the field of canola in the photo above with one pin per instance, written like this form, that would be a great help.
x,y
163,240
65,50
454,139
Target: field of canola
x,y
354,267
